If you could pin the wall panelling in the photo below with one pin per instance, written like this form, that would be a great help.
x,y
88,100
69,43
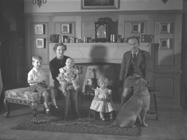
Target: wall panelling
x,y
166,61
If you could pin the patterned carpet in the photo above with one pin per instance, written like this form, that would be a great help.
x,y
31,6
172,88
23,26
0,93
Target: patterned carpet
x,y
55,123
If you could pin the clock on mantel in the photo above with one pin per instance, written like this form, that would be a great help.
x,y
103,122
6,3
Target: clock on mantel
x,y
104,27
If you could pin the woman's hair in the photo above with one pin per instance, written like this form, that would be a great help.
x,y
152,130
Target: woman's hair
x,y
103,80
59,44
36,57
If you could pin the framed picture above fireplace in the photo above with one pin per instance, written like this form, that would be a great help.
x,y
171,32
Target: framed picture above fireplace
x,y
99,4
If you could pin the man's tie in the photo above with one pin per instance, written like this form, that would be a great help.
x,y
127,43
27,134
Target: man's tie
x,y
134,57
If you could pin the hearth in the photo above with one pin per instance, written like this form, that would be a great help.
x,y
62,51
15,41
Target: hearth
x,y
93,71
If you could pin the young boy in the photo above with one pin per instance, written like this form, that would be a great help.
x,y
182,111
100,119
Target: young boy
x,y
68,75
37,80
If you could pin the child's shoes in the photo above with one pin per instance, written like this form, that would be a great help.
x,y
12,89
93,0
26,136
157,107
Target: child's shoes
x,y
56,106
111,118
65,93
103,119
47,111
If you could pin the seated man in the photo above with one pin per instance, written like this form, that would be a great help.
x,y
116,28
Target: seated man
x,y
136,63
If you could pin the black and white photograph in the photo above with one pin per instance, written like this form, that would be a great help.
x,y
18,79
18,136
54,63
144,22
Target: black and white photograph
x,y
93,69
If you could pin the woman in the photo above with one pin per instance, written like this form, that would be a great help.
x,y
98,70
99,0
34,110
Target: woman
x,y
55,64
58,62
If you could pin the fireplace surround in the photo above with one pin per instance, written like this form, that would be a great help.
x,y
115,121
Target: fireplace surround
x,y
97,60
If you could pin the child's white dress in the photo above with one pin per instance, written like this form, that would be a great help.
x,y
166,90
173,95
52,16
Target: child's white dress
x,y
102,101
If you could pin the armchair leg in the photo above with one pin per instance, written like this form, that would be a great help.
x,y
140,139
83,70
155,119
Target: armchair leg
x,y
7,108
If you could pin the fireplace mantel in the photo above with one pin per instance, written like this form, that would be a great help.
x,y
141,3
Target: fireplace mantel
x,y
96,52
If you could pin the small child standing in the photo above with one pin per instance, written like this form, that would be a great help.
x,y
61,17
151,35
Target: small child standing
x,y
37,80
68,75
102,101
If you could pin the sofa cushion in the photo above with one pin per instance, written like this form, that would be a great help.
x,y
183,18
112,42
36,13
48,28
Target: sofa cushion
x,y
24,95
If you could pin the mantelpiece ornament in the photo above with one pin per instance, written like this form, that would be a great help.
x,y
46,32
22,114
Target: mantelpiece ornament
x,y
39,2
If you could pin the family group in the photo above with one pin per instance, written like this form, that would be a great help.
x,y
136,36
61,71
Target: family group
x,y
136,64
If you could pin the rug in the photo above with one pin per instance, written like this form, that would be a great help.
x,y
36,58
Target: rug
x,y
83,125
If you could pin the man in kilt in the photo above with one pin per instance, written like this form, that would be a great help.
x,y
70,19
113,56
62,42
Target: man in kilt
x,y
136,63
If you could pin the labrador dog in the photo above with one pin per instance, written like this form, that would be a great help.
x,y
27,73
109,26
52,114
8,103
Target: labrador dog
x,y
136,107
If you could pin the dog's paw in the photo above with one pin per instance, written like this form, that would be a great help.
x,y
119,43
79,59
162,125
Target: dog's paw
x,y
133,126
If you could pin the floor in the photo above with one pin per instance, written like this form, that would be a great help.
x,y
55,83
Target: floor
x,y
172,125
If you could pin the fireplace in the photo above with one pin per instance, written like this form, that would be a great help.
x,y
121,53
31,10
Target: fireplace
x,y
98,59
96,70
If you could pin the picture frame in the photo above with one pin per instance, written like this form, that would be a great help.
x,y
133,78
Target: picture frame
x,y
54,38
40,43
99,4
137,27
165,43
65,28
165,28
39,29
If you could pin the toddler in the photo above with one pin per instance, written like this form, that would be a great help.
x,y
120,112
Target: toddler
x,y
68,75
102,101
37,80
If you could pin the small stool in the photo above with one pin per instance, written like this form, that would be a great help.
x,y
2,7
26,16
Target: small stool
x,y
23,96
152,91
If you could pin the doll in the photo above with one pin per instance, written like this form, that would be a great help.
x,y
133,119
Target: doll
x,y
68,75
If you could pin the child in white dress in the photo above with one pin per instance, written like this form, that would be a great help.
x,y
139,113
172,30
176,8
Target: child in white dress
x,y
102,101
68,75
37,80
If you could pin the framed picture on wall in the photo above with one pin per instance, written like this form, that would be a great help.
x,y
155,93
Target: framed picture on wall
x,y
137,27
40,43
99,4
165,28
39,29
165,44
65,28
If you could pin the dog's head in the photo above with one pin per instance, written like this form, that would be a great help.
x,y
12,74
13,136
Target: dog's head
x,y
140,86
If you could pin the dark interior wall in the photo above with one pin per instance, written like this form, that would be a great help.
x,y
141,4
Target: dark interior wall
x,y
184,58
12,44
